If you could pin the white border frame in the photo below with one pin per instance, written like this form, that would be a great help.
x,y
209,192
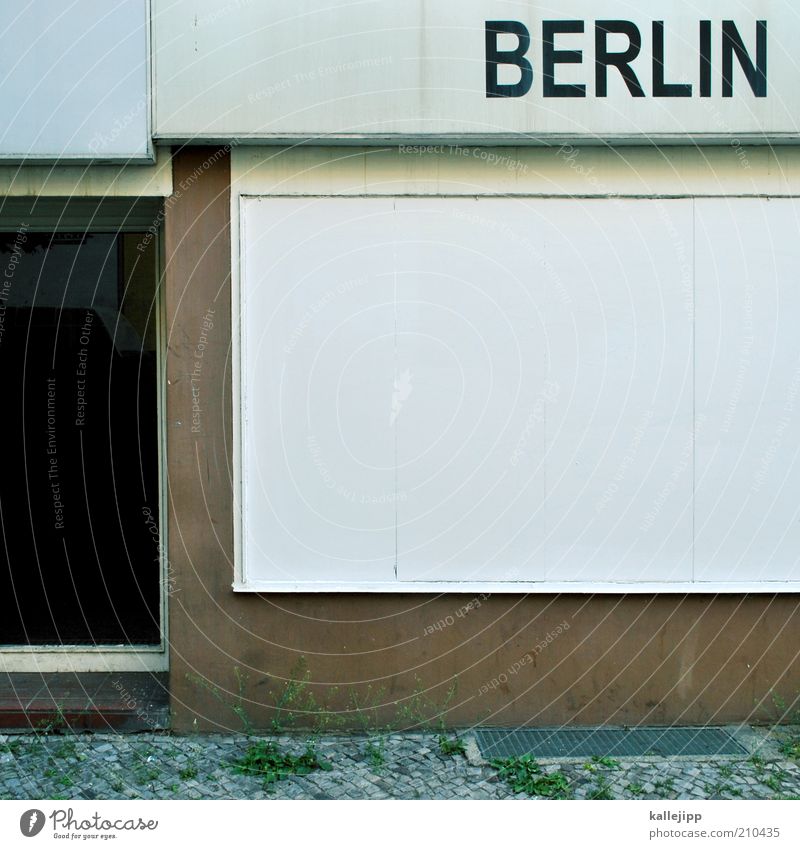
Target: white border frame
x,y
481,139
242,584
523,587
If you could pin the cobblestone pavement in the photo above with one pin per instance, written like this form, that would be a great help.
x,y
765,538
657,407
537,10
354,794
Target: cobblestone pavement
x,y
406,766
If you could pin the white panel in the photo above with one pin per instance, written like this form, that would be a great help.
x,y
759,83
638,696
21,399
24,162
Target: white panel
x,y
470,424
499,392
619,340
132,180
414,70
748,379
317,312
569,171
74,82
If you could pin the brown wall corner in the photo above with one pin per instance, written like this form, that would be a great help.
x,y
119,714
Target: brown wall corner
x,y
538,660
197,264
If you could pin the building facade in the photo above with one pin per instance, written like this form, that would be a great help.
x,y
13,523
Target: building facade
x,y
413,350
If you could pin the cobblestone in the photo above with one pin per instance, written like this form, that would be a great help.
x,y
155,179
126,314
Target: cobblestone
x,y
162,766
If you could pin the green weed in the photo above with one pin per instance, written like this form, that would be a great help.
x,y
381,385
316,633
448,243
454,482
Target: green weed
x,y
265,760
775,781
375,750
666,786
54,724
601,790
790,748
11,747
605,761
236,705
451,745
419,711
524,775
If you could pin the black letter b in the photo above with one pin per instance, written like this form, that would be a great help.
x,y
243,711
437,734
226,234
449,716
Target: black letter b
x,y
495,57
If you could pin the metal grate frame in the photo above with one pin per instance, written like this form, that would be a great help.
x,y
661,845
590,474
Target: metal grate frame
x,y
606,742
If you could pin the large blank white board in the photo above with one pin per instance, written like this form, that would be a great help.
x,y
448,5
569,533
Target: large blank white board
x,y
517,390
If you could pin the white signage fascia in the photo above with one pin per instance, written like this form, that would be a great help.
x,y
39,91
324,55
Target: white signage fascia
x,y
484,71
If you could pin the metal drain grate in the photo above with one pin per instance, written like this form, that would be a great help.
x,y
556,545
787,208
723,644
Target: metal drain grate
x,y
615,742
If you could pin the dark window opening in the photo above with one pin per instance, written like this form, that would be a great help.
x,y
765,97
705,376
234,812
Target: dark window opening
x,y
79,501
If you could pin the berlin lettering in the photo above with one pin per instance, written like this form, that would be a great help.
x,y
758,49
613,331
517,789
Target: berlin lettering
x,y
725,45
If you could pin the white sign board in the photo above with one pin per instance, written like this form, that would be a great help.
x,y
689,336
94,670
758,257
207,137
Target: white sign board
x,y
477,69
537,393
74,83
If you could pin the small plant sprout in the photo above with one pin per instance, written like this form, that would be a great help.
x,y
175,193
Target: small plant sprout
x,y
451,745
265,760
524,775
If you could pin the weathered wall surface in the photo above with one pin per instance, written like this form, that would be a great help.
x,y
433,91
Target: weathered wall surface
x,y
636,659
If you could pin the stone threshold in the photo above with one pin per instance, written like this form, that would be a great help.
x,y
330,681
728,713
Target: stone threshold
x,y
78,701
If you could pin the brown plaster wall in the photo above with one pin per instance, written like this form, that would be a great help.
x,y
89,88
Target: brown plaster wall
x,y
621,660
